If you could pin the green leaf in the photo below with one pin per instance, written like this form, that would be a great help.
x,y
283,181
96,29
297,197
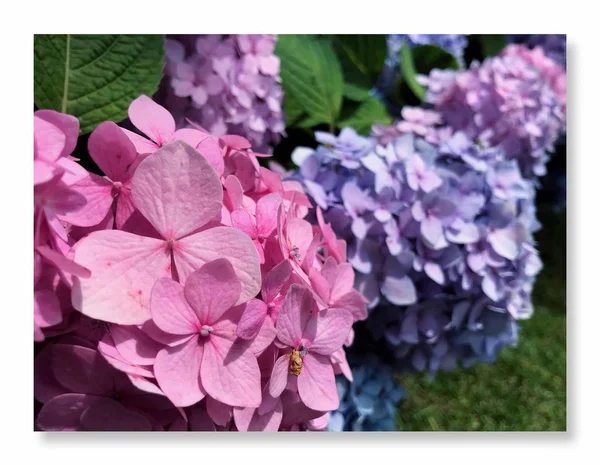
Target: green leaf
x,y
292,110
369,112
311,73
428,57
491,44
364,53
356,93
409,72
95,77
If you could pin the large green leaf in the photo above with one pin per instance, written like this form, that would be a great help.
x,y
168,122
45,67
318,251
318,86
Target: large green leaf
x,y
409,72
311,73
363,54
427,57
95,77
491,44
369,112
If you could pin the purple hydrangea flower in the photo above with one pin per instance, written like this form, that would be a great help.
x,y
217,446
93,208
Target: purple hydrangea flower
x,y
516,101
226,84
440,237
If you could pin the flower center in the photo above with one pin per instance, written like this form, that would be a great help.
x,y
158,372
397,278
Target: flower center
x,y
206,330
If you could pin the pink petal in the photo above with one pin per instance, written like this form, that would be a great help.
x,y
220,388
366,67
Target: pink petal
x,y
354,303
177,190
297,309
340,278
212,290
209,148
125,208
142,145
241,219
46,308
275,281
221,242
177,370
266,214
235,142
114,358
230,373
329,329
48,140
152,119
234,192
63,413
62,262
69,126
170,309
98,194
112,151
319,284
264,338
279,376
316,383
110,415
299,234
249,419
134,345
252,319
340,363
271,180
218,412
124,268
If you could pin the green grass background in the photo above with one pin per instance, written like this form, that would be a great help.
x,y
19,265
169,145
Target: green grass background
x,y
525,390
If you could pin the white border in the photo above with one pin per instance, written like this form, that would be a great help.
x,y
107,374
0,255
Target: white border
x,y
575,18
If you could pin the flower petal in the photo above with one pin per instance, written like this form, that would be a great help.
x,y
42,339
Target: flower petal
x,y
152,119
316,383
112,151
170,309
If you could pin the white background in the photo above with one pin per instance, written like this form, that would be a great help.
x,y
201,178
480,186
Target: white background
x,y
576,18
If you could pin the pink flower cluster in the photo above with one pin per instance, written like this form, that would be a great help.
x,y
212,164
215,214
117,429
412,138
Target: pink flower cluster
x,y
185,289
226,84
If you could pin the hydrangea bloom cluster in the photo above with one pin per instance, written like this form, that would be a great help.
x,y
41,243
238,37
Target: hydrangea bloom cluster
x,y
455,44
440,237
554,45
516,100
369,402
227,84
184,289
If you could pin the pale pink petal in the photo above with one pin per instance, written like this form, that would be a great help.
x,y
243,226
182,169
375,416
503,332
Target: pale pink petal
x,y
48,140
134,345
124,267
209,148
177,370
234,191
230,373
340,363
319,284
221,242
328,329
177,190
141,144
297,309
241,219
152,119
212,290
98,194
72,171
69,125
299,236
112,151
252,319
236,142
266,214
110,415
125,208
271,180
114,358
340,278
218,412
316,383
250,420
170,309
354,303
279,376
275,281
264,338
146,385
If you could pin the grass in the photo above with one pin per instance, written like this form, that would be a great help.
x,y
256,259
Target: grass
x,y
525,390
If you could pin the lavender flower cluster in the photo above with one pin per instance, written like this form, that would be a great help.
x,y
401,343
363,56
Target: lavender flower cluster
x,y
368,403
455,44
228,84
516,100
440,235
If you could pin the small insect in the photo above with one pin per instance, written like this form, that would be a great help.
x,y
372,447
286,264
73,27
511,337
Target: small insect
x,y
295,363
296,252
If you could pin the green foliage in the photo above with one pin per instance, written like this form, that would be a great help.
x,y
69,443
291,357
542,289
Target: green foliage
x,y
312,75
491,44
362,57
427,57
369,112
95,77
409,72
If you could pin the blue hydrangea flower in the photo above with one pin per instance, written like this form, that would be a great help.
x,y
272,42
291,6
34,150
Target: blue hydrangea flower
x,y
369,402
440,236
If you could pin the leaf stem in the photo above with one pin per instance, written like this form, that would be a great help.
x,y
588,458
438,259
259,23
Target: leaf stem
x,y
65,98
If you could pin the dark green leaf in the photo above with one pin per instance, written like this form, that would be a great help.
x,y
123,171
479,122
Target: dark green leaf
x,y
409,72
291,109
428,57
491,44
312,74
369,112
356,93
95,77
363,53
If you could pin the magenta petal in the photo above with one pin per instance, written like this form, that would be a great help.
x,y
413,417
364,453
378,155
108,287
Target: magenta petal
x,y
264,338
241,219
152,119
275,280
212,290
170,309
177,370
269,421
112,151
230,373
124,268
177,190
109,415
63,413
266,214
296,310
252,319
279,376
98,194
316,383
218,412
46,309
330,328
45,385
221,242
